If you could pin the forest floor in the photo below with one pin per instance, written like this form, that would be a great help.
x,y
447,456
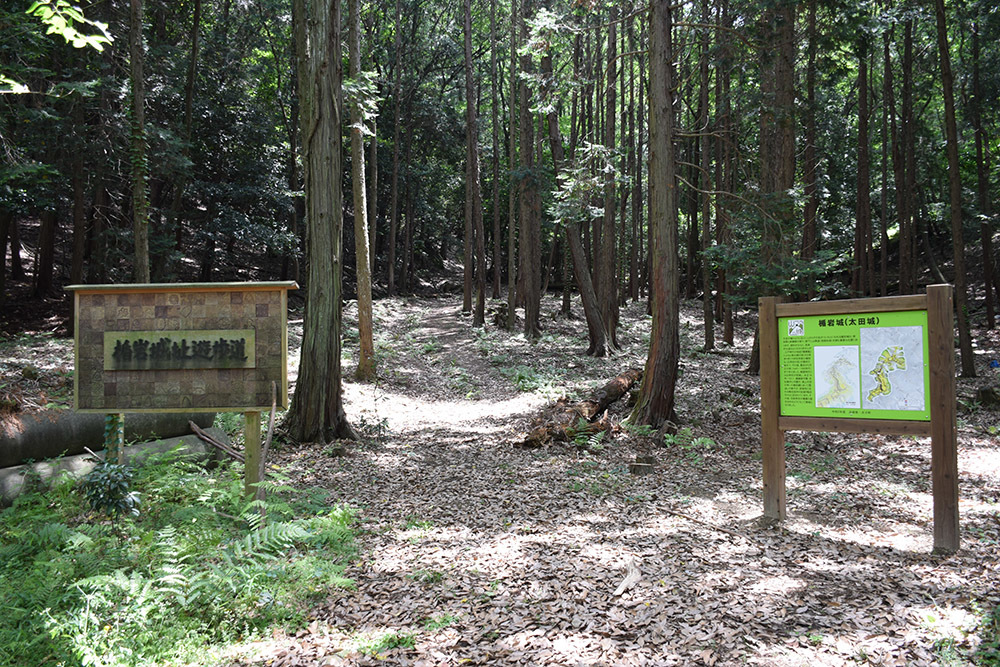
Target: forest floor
x,y
473,551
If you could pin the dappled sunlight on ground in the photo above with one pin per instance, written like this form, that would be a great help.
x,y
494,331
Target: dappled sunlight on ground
x,y
560,556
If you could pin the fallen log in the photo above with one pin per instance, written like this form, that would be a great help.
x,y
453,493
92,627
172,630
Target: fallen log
x,y
567,421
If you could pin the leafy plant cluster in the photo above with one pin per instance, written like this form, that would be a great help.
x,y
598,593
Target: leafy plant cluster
x,y
194,568
694,448
60,17
988,653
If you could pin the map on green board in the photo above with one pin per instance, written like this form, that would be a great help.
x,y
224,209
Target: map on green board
x,y
863,365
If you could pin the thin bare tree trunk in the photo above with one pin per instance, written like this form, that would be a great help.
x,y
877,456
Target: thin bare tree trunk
x,y
397,94
596,332
45,263
16,262
530,209
140,203
777,137
607,286
955,198
79,217
706,185
495,111
982,183
907,238
884,226
863,216
512,160
174,217
5,224
635,169
473,197
809,233
362,261
371,165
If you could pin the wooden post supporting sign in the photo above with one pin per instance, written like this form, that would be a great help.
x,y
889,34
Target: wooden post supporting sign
x,y
772,437
251,463
944,440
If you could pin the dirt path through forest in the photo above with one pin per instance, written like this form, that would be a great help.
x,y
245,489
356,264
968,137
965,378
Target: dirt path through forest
x,y
474,552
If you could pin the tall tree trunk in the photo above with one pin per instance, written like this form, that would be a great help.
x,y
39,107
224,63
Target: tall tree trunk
x,y
655,403
97,269
495,131
6,217
907,237
624,160
706,185
982,182
809,233
512,190
863,214
635,170
362,260
955,192
45,265
596,332
140,203
474,199
408,272
530,209
645,262
317,412
607,286
79,181
898,161
724,170
16,263
371,179
691,202
297,211
397,95
777,137
884,222
174,217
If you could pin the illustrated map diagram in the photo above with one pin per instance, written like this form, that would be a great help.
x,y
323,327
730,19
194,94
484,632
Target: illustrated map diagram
x,y
892,364
837,376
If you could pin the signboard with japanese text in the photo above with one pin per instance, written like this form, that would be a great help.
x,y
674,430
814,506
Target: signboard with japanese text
x,y
882,365
190,347
862,365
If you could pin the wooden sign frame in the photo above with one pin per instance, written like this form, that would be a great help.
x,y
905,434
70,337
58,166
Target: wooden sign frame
x,y
942,427
220,336
256,312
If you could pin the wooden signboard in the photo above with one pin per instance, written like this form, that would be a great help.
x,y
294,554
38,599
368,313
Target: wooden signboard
x,y
195,347
882,365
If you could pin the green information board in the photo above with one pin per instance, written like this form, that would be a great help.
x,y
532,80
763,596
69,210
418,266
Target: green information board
x,y
864,365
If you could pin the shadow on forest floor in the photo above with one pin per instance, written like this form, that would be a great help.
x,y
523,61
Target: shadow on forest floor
x,y
474,551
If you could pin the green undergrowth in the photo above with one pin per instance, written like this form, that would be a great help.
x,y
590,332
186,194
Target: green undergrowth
x,y
196,569
988,652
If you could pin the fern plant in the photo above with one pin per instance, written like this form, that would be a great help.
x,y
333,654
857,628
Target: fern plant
x,y
75,595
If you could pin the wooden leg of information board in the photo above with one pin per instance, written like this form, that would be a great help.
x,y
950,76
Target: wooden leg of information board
x,y
251,462
772,437
944,440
